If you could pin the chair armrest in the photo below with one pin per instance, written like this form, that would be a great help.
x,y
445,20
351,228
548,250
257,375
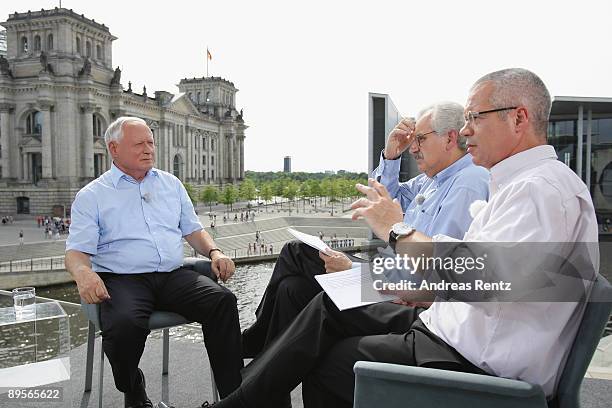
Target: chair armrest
x,y
201,266
406,386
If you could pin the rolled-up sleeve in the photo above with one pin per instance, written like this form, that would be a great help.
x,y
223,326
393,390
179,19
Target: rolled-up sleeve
x,y
189,221
84,231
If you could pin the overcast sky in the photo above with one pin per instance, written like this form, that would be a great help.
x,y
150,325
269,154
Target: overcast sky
x,y
304,69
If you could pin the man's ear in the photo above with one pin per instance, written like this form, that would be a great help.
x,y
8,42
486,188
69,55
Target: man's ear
x,y
452,139
522,118
112,148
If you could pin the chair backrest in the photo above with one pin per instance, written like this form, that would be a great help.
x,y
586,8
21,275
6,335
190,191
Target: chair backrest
x,y
595,317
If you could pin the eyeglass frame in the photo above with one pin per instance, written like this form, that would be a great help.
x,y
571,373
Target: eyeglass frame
x,y
471,116
419,138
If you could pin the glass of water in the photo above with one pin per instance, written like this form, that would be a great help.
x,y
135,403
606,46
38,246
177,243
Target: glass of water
x,y
24,300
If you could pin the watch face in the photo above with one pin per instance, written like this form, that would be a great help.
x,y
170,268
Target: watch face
x,y
402,229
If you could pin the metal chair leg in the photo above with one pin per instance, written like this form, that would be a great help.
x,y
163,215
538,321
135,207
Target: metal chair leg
x,y
91,342
101,379
166,350
215,392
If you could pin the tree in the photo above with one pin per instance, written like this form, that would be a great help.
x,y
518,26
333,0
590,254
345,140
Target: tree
x,y
209,195
247,190
315,191
330,189
291,190
304,193
266,192
229,196
191,192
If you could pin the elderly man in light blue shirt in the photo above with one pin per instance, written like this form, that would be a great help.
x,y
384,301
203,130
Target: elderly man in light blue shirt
x,y
125,251
435,202
438,199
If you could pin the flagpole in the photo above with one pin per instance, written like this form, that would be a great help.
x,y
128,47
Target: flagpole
x,y
207,62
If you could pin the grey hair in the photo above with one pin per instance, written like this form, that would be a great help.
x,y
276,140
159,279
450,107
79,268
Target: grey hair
x,y
446,116
114,132
519,86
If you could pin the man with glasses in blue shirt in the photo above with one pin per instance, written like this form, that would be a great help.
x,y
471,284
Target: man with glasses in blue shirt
x,y
435,202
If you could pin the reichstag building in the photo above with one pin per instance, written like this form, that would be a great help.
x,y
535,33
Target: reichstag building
x,y
58,93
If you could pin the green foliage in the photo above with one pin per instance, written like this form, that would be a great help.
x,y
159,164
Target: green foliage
x,y
229,196
262,177
209,195
291,189
266,191
191,192
247,190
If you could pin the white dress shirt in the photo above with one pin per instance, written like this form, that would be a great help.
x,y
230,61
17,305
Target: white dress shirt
x,y
534,198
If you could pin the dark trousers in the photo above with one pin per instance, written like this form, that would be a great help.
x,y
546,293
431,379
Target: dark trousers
x,y
322,344
125,321
291,287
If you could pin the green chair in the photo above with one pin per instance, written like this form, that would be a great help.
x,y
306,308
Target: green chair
x,y
395,386
159,320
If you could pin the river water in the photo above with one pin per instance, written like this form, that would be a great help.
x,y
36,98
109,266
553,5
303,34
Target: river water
x,y
17,343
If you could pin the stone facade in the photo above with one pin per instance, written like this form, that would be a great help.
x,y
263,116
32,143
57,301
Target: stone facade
x,y
59,92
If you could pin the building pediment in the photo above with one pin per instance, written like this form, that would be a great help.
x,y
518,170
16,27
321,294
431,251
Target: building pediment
x,y
182,104
29,141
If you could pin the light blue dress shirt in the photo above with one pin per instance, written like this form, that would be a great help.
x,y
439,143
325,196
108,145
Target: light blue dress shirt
x,y
446,197
132,227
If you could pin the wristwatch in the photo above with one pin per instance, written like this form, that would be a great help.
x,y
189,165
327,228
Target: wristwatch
x,y
213,250
399,230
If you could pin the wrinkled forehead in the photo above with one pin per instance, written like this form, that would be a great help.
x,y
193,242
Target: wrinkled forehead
x,y
423,124
136,131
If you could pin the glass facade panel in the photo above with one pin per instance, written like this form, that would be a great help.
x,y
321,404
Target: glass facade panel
x,y
562,134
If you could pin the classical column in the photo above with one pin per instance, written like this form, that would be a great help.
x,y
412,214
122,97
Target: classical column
x,y
230,158
242,158
24,165
47,152
161,143
5,129
189,154
87,141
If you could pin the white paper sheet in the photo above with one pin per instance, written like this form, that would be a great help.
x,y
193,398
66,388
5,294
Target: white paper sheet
x,y
347,288
309,240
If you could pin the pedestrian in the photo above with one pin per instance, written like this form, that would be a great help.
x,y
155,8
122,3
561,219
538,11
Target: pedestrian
x,y
20,237
246,217
241,217
50,232
271,249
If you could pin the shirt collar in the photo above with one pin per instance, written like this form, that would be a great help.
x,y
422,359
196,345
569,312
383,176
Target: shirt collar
x,y
453,169
117,174
503,171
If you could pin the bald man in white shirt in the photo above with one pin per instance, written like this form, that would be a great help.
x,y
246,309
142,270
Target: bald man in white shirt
x,y
534,198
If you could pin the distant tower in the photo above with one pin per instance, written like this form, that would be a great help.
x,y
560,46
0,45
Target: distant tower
x,y
287,164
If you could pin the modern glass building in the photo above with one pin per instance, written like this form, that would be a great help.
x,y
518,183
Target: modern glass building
x,y
580,129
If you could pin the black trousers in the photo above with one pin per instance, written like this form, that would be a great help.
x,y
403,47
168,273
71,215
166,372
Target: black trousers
x,y
125,321
292,286
322,344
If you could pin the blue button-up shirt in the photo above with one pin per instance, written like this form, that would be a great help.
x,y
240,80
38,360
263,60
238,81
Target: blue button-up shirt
x,y
132,227
445,198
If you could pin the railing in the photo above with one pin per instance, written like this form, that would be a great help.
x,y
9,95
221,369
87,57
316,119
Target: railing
x,y
35,264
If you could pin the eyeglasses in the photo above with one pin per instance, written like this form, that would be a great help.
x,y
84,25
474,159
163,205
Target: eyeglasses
x,y
470,117
420,137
